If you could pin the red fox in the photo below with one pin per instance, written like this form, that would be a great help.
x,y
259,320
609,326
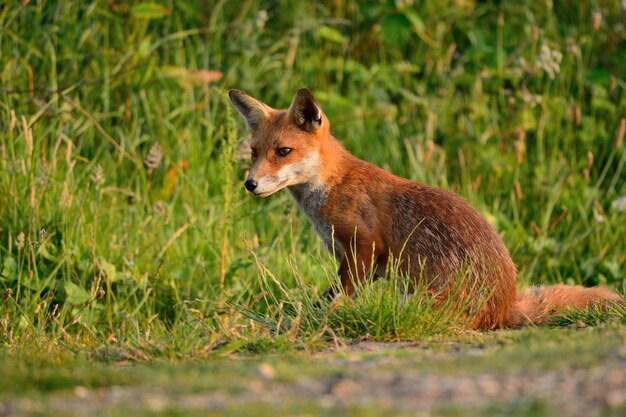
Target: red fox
x,y
367,217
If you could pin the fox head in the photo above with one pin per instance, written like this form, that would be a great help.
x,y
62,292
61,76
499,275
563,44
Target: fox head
x,y
286,144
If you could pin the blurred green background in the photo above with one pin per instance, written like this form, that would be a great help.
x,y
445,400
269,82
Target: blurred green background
x,y
122,207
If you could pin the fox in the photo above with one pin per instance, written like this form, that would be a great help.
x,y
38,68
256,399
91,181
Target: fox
x,y
367,217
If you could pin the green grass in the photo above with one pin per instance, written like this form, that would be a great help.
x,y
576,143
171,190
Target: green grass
x,y
125,230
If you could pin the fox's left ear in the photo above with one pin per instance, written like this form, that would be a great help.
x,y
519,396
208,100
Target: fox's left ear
x,y
305,112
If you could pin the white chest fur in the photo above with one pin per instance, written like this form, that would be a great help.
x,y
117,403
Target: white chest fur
x,y
311,200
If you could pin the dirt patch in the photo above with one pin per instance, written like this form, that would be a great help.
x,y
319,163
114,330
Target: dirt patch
x,y
573,392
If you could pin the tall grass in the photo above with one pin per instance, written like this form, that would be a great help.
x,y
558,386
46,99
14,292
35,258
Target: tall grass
x,y
106,242
391,309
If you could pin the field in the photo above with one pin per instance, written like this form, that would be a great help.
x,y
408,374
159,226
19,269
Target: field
x,y
135,271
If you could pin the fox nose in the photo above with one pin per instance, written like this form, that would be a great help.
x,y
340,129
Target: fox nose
x,y
250,184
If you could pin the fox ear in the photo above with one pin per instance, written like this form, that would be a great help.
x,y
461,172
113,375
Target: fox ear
x,y
305,112
251,109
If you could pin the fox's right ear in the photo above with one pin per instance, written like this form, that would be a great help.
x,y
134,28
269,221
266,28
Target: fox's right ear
x,y
251,109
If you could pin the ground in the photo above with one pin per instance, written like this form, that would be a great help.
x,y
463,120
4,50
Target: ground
x,y
528,372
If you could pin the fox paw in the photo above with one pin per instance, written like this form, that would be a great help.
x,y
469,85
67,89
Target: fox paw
x,y
329,295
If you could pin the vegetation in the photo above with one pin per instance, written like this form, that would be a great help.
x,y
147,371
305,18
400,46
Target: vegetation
x,y
124,225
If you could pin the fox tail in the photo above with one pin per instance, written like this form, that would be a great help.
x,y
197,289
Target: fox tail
x,y
535,305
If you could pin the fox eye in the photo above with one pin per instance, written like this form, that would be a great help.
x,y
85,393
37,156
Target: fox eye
x,y
253,152
283,151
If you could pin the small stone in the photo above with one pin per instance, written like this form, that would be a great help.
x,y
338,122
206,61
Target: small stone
x,y
80,391
345,388
616,398
267,371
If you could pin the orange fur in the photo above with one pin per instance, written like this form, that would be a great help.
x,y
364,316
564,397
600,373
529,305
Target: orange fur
x,y
370,216
535,305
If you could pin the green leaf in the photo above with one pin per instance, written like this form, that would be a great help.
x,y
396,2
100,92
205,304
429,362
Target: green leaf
x,y
598,75
9,269
109,269
48,251
144,47
603,106
416,21
149,11
395,29
75,294
330,34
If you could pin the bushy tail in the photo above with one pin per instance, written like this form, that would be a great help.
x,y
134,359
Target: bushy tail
x,y
535,305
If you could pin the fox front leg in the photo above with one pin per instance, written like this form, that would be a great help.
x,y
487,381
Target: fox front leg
x,y
346,279
354,269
